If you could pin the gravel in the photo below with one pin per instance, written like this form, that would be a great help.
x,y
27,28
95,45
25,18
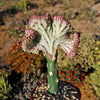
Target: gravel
x,y
66,92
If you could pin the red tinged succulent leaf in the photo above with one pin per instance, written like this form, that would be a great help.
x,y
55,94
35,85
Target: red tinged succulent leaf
x,y
71,50
69,81
59,72
29,32
68,76
74,77
60,20
63,73
34,19
82,78
77,66
83,74
74,71
71,74
29,43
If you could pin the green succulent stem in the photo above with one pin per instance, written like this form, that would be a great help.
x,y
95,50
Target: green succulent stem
x,y
52,76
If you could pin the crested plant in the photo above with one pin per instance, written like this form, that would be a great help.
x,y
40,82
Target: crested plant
x,y
46,34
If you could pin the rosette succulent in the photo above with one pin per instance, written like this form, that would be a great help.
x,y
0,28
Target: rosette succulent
x,y
45,34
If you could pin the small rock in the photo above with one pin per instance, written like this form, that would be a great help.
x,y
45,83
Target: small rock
x,y
73,97
43,97
74,14
96,9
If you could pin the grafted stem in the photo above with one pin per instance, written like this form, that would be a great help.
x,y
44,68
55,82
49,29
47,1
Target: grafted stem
x,y
52,76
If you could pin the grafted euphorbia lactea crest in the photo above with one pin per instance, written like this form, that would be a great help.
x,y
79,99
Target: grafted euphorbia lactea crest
x,y
45,34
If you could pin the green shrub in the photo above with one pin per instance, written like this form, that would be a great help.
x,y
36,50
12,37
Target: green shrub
x,y
95,76
23,5
5,87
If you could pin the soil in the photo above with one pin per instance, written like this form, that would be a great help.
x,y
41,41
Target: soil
x,y
84,16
